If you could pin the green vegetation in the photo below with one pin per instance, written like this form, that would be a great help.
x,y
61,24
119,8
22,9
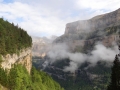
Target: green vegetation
x,y
12,38
115,76
19,79
112,30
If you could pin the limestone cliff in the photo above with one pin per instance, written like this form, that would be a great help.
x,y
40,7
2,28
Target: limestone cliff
x,y
41,45
104,28
24,58
99,22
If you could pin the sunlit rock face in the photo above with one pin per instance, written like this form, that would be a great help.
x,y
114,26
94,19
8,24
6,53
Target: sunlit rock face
x,y
24,58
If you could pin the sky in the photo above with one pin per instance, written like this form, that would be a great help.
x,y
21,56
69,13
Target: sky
x,y
49,17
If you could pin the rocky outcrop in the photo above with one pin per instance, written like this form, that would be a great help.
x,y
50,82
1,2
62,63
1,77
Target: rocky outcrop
x,y
99,22
24,58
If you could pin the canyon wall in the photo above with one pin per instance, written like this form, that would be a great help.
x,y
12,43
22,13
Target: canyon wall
x,y
24,58
102,28
99,22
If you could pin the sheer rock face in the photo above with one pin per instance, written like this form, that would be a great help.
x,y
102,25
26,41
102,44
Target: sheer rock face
x,y
24,58
76,33
95,23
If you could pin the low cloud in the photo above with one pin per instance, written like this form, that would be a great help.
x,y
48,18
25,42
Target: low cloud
x,y
58,51
72,67
100,52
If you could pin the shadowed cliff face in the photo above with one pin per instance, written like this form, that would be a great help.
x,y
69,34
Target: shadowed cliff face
x,y
103,28
86,40
99,22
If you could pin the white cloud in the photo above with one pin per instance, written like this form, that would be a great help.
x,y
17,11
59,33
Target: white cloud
x,y
45,18
99,4
72,67
60,51
34,21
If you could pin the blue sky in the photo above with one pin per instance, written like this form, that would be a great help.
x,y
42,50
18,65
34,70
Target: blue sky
x,y
49,17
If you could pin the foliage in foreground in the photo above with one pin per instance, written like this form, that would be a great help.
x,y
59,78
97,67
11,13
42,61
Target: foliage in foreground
x,y
19,79
115,76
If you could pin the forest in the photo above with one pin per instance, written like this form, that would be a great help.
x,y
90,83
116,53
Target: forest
x,y
12,38
19,79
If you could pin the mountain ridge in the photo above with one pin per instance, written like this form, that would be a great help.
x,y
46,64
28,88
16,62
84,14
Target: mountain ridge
x,y
99,28
104,20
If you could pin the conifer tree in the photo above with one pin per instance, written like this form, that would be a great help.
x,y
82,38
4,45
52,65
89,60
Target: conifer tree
x,y
115,76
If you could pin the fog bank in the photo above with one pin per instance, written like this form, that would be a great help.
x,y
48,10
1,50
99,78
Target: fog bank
x,y
60,51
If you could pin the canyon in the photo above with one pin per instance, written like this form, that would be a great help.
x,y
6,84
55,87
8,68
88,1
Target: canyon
x,y
81,37
96,29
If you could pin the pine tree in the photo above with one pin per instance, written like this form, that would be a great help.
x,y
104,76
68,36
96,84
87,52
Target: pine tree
x,y
115,76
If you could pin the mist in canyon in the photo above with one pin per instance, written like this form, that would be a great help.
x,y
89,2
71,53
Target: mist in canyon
x,y
61,51
96,30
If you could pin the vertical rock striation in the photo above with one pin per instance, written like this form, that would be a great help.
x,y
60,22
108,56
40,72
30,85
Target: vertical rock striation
x,y
24,58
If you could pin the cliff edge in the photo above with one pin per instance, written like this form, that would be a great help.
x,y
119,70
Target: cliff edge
x,y
24,58
98,22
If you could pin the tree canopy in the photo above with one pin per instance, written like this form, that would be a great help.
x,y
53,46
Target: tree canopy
x,y
19,79
115,76
12,38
